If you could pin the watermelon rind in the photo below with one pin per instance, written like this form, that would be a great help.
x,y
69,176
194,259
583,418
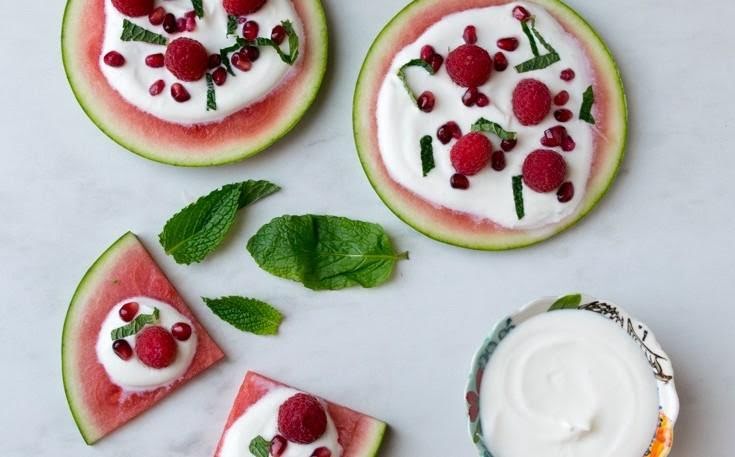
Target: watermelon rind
x,y
470,237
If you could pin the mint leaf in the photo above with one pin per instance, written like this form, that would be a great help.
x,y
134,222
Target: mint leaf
x,y
246,314
259,447
137,324
585,112
224,54
231,25
532,41
538,63
567,302
197,230
133,32
211,94
541,39
293,44
404,78
518,196
483,125
325,252
427,154
198,8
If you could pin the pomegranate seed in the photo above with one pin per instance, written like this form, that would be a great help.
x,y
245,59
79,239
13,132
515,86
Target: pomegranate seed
x,y
458,181
122,349
278,34
157,15
239,60
181,24
157,87
181,331
497,160
250,30
446,132
219,76
565,192
169,23
427,51
241,20
500,62
568,144
215,60
321,452
191,24
508,145
456,131
567,75
561,98
426,101
470,96
563,115
251,53
154,60
436,62
482,100
114,59
470,34
554,136
521,13
179,93
189,14
278,446
508,44
128,311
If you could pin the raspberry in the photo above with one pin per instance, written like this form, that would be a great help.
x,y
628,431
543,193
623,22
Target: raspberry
x,y
187,59
469,65
471,153
155,347
544,170
242,7
531,101
301,419
134,8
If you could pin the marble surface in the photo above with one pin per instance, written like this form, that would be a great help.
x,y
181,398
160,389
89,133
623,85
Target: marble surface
x,y
660,244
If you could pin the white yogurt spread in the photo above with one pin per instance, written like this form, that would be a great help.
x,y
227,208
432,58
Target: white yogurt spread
x,y
568,383
132,375
133,79
490,196
261,419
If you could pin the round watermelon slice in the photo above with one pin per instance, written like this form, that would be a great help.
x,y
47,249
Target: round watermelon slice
x,y
238,136
459,228
124,270
359,435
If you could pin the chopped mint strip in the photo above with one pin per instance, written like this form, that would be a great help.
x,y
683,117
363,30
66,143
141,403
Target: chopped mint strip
x,y
538,63
541,40
224,54
531,39
197,230
132,32
293,44
427,154
231,25
259,447
483,125
518,196
588,99
567,302
246,314
211,94
198,8
404,79
140,321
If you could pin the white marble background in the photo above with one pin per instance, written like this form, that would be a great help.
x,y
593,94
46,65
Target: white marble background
x,y
661,244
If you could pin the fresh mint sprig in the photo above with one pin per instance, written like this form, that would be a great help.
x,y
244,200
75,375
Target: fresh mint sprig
x,y
259,447
137,324
403,76
567,302
231,25
539,61
246,314
483,125
211,94
134,32
427,154
292,55
518,196
198,8
585,112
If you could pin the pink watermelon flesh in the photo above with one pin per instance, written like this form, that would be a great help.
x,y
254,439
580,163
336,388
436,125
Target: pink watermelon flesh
x,y
359,435
459,228
125,270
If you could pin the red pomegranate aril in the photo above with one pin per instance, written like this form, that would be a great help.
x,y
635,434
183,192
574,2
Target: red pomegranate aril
x,y
157,87
563,115
252,53
446,132
568,144
169,23
181,24
122,349
191,24
157,15
241,20
278,446
128,311
219,76
114,59
436,62
250,30
500,62
508,145
521,13
215,60
240,62
426,101
554,136
509,44
179,93
278,34
321,452
155,60
181,331
458,181
497,160
427,51
562,98
567,75
190,13
470,96
470,34
565,192
482,100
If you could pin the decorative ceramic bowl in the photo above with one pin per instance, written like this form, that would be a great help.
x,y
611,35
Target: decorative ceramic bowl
x,y
654,353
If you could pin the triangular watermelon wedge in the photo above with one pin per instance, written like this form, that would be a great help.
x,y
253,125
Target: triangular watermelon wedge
x,y
124,270
359,435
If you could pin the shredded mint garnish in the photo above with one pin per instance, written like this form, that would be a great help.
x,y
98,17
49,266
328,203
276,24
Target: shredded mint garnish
x,y
427,154
567,302
518,196
531,39
585,112
211,94
231,25
198,8
483,125
246,314
225,55
541,40
293,44
259,447
538,62
133,32
140,321
404,78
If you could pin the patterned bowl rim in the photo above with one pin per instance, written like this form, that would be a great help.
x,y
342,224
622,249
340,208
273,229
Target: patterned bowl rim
x,y
657,358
